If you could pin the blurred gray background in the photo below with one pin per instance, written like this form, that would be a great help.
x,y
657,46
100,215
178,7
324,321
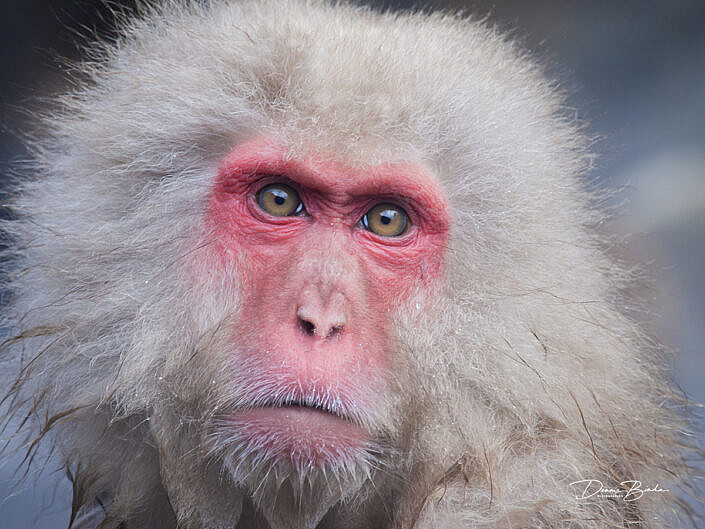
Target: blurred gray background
x,y
636,72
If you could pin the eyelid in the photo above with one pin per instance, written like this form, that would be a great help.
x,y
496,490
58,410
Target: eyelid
x,y
261,180
365,203
406,240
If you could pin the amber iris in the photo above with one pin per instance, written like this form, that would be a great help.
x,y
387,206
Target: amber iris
x,y
279,200
386,220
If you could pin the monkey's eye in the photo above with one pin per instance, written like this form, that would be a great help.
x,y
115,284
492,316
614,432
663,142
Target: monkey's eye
x,y
279,200
386,220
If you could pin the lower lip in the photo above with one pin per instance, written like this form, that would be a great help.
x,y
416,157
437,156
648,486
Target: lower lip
x,y
302,435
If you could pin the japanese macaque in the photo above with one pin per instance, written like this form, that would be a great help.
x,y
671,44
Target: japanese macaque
x,y
294,265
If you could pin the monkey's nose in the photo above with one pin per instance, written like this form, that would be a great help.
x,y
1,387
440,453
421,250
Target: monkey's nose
x,y
322,320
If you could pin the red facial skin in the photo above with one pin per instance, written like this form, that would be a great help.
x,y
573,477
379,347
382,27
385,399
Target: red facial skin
x,y
319,289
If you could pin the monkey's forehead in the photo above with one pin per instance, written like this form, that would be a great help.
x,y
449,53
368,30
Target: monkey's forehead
x,y
345,80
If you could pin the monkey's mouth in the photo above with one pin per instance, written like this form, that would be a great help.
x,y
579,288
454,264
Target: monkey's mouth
x,y
314,406
301,431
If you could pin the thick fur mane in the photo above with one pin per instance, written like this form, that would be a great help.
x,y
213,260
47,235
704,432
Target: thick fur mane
x,y
530,377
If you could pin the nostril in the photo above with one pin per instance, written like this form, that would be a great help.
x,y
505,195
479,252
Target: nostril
x,y
335,331
307,327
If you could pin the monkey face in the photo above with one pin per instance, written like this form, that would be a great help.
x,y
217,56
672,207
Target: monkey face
x,y
327,255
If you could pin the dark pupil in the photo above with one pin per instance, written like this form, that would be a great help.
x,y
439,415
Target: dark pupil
x,y
386,217
279,197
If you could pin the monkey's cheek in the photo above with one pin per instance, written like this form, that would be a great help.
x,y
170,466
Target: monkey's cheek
x,y
304,436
